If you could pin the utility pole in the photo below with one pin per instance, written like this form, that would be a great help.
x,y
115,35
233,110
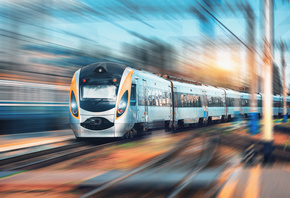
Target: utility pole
x,y
250,19
282,47
268,85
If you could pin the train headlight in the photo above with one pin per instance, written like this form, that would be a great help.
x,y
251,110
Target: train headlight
x,y
122,104
73,104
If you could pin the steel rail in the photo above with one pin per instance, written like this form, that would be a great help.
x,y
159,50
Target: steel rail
x,y
59,158
21,157
200,165
181,145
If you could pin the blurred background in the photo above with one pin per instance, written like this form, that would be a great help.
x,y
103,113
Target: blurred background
x,y
43,42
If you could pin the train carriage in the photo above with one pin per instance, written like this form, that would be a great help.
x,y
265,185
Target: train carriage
x,y
215,99
277,106
154,107
232,103
288,105
188,102
245,104
113,100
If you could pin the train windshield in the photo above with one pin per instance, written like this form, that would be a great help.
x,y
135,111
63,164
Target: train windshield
x,y
99,92
99,84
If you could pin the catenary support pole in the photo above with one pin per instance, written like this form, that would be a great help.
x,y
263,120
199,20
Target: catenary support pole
x,y
268,82
250,19
282,47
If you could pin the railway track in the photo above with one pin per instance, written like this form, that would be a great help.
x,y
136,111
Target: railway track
x,y
242,142
19,154
165,162
36,157
46,157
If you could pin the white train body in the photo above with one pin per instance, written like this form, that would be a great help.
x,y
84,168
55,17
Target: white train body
x,y
112,100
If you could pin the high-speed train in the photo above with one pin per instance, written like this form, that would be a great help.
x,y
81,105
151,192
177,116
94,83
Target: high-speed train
x,y
110,99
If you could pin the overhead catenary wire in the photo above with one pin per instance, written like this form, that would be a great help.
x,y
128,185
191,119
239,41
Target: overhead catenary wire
x,y
233,34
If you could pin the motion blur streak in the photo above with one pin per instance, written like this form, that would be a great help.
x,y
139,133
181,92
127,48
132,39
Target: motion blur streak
x,y
44,41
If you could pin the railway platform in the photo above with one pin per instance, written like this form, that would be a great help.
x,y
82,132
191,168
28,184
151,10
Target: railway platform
x,y
258,181
23,140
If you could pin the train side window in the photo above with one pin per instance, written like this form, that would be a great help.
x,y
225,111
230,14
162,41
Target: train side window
x,y
141,99
199,101
164,99
209,101
191,100
156,98
195,102
174,99
160,99
133,95
181,100
185,100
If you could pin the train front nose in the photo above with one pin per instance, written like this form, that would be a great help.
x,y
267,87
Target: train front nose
x,y
98,86
97,123
96,126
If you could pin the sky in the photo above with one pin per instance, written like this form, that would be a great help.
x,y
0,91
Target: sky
x,y
111,23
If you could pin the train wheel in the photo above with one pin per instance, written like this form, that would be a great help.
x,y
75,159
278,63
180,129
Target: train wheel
x,y
80,139
223,119
167,126
209,121
200,122
131,134
173,128
126,136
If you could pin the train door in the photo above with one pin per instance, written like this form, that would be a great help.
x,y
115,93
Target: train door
x,y
225,103
242,102
145,120
133,103
204,105
174,103
281,106
169,101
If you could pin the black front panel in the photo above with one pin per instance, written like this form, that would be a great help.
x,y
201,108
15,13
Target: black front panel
x,y
98,106
97,123
98,85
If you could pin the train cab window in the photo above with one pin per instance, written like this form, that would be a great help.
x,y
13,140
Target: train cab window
x,y
133,95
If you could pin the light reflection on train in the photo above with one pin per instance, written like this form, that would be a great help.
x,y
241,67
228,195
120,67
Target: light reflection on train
x,y
113,100
29,106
